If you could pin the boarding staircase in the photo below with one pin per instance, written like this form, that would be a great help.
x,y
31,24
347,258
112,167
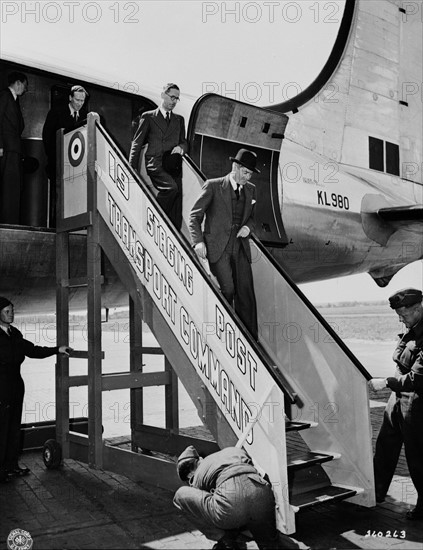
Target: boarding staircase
x,y
297,401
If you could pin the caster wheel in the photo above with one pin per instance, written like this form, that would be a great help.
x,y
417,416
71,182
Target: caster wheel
x,y
52,454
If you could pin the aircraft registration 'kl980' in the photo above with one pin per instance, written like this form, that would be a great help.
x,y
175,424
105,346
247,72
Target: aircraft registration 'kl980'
x,y
340,187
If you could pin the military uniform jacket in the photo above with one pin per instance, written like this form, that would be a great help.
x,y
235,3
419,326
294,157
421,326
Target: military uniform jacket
x,y
218,467
160,137
215,203
408,357
13,350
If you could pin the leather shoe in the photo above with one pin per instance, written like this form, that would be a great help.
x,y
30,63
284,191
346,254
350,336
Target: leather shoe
x,y
415,514
18,471
380,498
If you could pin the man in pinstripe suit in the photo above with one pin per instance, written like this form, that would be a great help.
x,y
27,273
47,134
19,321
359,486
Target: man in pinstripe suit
x,y
164,133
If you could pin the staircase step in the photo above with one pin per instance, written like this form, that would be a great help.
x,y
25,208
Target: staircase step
x,y
300,459
321,495
291,426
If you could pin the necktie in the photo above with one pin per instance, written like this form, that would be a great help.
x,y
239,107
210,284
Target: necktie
x,y
237,191
9,331
75,116
167,118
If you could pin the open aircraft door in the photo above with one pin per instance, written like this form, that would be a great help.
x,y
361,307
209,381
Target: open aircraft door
x,y
218,128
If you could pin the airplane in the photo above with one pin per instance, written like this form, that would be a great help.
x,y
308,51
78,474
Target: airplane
x,y
340,163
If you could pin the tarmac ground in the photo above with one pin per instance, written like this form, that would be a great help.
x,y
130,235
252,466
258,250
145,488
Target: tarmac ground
x,y
76,507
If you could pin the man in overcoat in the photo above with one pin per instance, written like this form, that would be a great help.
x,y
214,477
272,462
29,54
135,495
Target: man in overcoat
x,y
228,205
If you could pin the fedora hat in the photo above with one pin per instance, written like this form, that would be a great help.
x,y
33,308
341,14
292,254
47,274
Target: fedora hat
x,y
172,163
246,158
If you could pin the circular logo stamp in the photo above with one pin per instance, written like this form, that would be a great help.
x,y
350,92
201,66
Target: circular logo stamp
x,y
76,149
19,539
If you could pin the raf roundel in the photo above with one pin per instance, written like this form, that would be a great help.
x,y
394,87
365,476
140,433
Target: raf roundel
x,y
76,149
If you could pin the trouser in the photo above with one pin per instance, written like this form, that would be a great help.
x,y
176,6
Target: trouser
x,y
235,278
402,424
11,179
169,194
10,429
242,502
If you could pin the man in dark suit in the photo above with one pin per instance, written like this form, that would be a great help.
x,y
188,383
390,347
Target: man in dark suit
x,y
164,132
11,128
67,116
228,206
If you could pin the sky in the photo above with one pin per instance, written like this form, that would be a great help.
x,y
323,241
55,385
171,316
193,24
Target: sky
x,y
258,52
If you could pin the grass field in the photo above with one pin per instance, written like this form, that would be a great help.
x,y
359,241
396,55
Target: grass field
x,y
357,321
363,322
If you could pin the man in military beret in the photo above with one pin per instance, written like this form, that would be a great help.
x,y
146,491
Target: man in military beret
x,y
227,495
403,418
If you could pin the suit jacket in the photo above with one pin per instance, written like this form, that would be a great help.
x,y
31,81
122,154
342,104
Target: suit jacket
x,y
11,122
153,129
215,203
59,117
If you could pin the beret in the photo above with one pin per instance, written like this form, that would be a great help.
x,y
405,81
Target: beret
x,y
4,302
405,297
189,453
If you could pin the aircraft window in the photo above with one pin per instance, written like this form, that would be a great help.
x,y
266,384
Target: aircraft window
x,y
392,158
384,156
243,122
376,154
266,128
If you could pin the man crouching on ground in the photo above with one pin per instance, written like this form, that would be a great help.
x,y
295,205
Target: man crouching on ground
x,y
227,495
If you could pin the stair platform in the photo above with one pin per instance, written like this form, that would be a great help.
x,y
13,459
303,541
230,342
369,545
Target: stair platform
x,y
320,495
298,460
294,426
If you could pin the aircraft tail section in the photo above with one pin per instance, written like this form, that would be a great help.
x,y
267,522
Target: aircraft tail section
x,y
365,107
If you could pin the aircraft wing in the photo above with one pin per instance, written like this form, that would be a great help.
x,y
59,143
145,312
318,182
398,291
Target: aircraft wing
x,y
412,213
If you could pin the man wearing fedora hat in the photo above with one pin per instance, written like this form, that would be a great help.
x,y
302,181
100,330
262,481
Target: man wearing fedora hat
x,y
227,204
164,133
403,418
13,350
226,497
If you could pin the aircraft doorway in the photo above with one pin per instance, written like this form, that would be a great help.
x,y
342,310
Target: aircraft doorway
x,y
118,111
218,128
